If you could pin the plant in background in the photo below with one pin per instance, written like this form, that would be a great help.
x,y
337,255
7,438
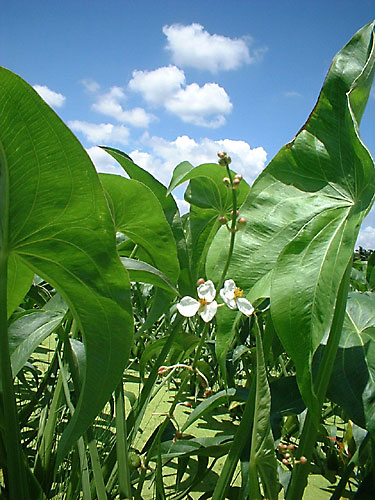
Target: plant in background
x,y
98,327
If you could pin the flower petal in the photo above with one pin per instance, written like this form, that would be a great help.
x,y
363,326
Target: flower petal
x,y
207,291
244,306
188,307
208,311
229,286
229,300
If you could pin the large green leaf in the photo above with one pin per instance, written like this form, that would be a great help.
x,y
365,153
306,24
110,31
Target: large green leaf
x,y
352,383
54,219
19,281
137,213
170,210
209,199
305,210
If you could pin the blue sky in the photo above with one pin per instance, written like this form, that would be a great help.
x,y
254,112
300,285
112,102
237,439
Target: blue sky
x,y
167,81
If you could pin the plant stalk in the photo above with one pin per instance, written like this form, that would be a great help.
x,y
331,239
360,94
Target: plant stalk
x,y
18,489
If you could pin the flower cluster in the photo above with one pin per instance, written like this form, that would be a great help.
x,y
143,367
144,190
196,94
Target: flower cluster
x,y
206,305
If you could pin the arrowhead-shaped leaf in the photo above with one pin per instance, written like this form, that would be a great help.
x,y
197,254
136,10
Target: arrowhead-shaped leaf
x,y
137,213
305,210
54,219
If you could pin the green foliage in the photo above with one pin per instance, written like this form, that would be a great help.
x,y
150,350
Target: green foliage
x,y
239,407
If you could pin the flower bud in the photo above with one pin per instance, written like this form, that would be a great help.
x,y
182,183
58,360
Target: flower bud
x,y
238,176
200,281
222,220
226,181
242,221
285,461
207,393
224,159
303,460
237,213
236,181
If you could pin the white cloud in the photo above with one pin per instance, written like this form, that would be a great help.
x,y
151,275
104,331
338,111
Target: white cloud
x,y
91,86
193,46
194,103
366,238
158,85
106,133
292,93
164,156
110,104
54,99
204,106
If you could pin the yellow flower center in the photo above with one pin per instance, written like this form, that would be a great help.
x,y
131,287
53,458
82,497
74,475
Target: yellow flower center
x,y
203,302
238,293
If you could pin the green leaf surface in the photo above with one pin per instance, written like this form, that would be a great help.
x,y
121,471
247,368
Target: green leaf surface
x,y
209,199
137,213
54,218
19,280
262,452
352,383
170,210
145,273
305,210
26,333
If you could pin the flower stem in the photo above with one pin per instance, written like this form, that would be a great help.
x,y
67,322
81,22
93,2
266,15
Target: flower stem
x,y
232,229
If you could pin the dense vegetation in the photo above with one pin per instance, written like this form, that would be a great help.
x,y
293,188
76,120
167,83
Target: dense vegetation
x,y
227,353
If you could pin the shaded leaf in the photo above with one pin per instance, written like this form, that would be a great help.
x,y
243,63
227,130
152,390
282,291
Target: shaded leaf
x,y
141,271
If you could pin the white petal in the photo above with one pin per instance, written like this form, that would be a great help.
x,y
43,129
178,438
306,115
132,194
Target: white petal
x,y
244,306
208,311
188,307
207,291
228,299
229,286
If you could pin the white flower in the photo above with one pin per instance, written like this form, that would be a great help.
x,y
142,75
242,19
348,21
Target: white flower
x,y
205,306
232,296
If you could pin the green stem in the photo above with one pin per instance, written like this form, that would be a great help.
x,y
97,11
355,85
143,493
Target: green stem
x,y
309,433
122,445
232,229
17,484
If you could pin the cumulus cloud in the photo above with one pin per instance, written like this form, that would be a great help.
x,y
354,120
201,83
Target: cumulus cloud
x,y
163,156
106,133
54,99
366,237
204,106
157,86
194,103
111,104
193,46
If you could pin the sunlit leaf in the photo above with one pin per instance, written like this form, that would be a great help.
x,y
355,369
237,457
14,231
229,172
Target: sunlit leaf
x,y
305,210
137,213
55,220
